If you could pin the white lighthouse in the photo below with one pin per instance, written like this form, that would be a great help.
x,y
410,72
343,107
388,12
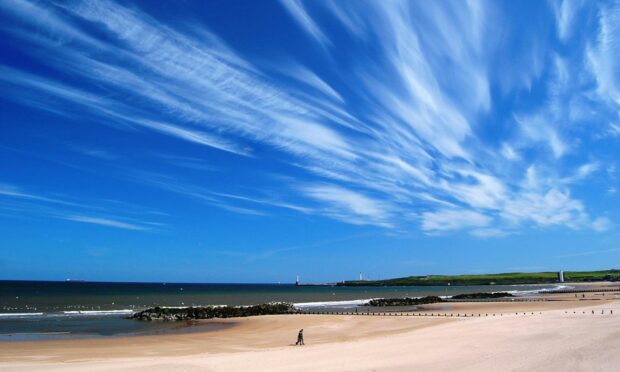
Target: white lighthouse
x,y
561,276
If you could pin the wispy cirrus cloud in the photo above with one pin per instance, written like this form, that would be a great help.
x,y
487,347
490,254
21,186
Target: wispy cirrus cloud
x,y
19,201
12,191
104,222
603,52
566,12
408,125
453,219
96,152
253,205
350,206
203,92
298,11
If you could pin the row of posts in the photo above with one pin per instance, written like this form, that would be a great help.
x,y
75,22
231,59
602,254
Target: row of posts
x,y
559,291
403,314
611,312
426,314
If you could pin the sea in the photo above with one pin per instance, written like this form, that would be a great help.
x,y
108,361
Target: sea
x,y
40,310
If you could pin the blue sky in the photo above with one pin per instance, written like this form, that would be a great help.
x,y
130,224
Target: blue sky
x,y
251,141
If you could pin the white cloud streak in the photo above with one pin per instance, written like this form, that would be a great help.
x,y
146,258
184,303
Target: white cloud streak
x,y
350,206
603,54
453,219
61,208
104,222
299,13
566,11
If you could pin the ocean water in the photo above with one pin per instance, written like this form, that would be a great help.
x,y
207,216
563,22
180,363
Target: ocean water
x,y
44,310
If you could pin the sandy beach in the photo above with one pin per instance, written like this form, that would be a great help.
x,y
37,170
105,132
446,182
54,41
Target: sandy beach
x,y
550,335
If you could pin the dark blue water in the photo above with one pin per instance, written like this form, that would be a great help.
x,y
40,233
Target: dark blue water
x,y
96,309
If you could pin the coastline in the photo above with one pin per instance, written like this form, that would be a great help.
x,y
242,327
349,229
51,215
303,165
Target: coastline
x,y
91,310
339,342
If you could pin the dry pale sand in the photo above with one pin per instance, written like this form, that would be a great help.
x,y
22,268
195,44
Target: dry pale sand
x,y
558,336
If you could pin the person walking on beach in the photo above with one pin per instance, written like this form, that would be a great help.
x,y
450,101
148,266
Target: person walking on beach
x,y
300,337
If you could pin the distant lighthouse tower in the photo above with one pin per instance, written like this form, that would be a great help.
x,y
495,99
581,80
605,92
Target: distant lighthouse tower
x,y
361,276
297,280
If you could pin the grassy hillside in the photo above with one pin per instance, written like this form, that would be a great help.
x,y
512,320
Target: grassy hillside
x,y
505,278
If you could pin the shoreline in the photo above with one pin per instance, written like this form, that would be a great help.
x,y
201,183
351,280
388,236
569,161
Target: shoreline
x,y
196,326
332,303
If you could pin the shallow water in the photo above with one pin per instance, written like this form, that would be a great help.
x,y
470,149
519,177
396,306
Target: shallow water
x,y
43,310
92,326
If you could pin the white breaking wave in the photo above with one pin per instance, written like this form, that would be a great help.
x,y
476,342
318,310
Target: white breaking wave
x,y
361,302
188,306
8,315
68,313
98,312
535,291
560,287
334,304
34,333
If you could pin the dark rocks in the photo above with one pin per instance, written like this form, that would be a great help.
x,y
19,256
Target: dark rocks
x,y
407,301
481,295
209,312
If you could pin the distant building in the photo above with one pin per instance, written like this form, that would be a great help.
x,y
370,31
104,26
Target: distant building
x,y
561,276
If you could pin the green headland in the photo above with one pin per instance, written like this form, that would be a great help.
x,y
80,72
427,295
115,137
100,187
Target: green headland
x,y
491,279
